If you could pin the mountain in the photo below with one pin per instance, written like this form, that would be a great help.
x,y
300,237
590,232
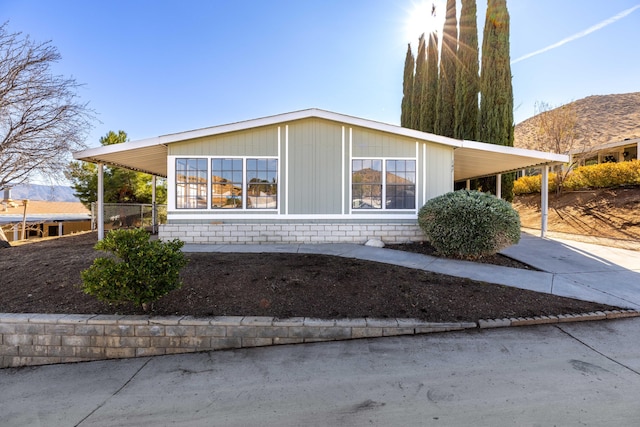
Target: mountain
x,y
600,119
56,193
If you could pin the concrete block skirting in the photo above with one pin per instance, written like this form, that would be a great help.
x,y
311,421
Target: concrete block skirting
x,y
41,339
283,233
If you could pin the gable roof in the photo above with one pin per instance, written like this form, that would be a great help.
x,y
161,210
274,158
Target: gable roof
x,y
472,159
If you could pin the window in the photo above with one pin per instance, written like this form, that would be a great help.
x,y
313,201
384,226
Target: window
x,y
244,183
262,183
396,184
401,184
226,183
191,183
366,184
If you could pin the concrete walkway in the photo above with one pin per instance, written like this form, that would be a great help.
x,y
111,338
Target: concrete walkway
x,y
569,268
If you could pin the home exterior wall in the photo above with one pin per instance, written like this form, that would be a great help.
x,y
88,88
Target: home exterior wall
x,y
314,185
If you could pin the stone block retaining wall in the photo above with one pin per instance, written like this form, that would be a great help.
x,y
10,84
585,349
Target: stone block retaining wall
x,y
39,339
282,233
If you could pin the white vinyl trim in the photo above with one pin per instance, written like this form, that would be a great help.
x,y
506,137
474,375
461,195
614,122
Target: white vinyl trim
x,y
424,173
343,173
210,216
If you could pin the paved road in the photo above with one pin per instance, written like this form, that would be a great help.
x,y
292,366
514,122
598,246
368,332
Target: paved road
x,y
568,374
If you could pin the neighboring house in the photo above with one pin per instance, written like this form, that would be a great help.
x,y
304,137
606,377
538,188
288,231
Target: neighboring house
x,y
307,176
619,151
42,218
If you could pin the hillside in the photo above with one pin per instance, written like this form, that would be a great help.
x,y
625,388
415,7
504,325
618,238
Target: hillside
x,y
53,193
600,119
606,213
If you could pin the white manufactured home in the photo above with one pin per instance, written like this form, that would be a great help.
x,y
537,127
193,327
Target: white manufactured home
x,y
310,176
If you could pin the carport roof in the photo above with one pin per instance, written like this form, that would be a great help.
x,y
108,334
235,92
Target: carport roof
x,y
472,159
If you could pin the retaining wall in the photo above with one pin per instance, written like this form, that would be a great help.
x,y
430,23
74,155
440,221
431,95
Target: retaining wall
x,y
224,233
40,339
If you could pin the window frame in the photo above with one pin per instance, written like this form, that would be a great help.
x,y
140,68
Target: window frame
x,y
245,183
186,183
384,184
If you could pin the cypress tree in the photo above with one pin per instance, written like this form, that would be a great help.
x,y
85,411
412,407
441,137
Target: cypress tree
x,y
430,101
467,74
419,82
406,117
445,115
496,100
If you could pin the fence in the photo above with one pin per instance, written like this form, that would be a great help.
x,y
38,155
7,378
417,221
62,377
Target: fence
x,y
127,215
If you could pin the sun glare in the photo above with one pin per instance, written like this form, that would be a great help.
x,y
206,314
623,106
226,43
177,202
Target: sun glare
x,y
425,16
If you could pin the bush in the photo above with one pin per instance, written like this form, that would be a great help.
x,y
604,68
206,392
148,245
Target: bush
x,y
146,270
604,175
533,184
469,224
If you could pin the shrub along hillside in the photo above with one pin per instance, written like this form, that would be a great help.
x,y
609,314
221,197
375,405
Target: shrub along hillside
x,y
604,175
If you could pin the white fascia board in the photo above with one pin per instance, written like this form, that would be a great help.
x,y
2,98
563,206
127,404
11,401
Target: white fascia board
x,y
299,115
116,148
522,152
267,121
607,146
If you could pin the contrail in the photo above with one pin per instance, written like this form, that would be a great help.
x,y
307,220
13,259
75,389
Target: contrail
x,y
580,34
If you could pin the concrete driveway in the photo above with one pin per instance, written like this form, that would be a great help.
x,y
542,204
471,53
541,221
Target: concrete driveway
x,y
565,374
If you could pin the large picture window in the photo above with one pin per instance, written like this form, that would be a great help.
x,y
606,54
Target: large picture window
x,y
388,184
191,183
238,183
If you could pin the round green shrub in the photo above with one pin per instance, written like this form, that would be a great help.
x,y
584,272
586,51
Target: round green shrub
x,y
139,270
469,224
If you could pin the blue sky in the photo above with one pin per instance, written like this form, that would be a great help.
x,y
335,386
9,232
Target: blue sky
x,y
152,67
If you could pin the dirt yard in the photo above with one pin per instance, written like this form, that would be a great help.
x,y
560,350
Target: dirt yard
x,y
609,213
45,277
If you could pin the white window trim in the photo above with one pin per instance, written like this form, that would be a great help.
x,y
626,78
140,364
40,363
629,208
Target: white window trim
x,y
384,185
171,182
245,184
172,187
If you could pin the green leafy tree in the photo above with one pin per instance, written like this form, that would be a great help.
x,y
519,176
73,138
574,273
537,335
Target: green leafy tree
x,y
467,74
445,109
120,185
419,83
496,100
406,119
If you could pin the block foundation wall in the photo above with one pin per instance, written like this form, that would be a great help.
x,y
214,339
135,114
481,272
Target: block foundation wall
x,y
290,233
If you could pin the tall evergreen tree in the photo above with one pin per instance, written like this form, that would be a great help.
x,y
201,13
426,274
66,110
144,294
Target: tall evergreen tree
x,y
430,102
496,100
406,117
445,110
467,74
419,83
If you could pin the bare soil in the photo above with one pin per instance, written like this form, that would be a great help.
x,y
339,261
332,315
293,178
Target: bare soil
x,y
44,277
612,213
